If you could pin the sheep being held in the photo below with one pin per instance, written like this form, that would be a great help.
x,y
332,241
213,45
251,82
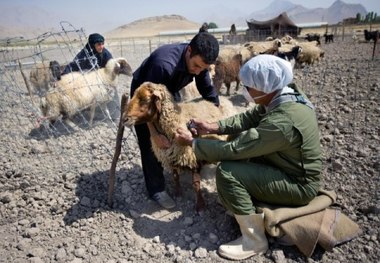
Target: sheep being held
x,y
77,91
154,104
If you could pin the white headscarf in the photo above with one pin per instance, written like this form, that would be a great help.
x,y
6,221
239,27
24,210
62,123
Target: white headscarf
x,y
266,73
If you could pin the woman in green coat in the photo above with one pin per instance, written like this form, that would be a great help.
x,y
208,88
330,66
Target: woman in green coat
x,y
274,154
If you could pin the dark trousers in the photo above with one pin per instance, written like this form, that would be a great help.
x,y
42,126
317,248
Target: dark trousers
x,y
152,169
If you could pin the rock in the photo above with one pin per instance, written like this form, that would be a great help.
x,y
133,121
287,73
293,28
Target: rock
x,y
200,252
278,256
61,255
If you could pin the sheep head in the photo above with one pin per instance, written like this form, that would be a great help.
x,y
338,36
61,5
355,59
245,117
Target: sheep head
x,y
118,66
145,105
55,68
124,67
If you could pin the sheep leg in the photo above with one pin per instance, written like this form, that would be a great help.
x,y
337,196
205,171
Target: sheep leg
x,y
178,189
106,111
228,86
200,203
92,113
237,86
70,124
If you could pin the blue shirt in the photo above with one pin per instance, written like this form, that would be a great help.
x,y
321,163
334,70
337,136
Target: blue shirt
x,y
167,66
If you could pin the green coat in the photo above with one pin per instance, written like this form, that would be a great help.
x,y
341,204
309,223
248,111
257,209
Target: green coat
x,y
287,137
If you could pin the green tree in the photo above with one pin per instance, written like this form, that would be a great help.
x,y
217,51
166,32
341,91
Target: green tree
x,y
358,17
212,25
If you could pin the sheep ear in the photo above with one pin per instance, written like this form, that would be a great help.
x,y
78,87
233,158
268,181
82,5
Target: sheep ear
x,y
125,68
157,100
116,69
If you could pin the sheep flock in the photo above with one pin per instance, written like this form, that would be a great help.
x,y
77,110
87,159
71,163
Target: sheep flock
x,y
232,57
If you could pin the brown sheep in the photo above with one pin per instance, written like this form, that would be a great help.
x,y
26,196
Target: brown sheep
x,y
154,104
227,72
231,58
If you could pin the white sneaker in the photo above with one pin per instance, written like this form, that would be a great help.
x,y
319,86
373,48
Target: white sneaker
x,y
164,199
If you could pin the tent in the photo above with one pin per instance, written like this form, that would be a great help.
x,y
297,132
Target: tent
x,y
276,27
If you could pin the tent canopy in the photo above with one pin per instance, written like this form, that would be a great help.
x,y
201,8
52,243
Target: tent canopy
x,y
279,25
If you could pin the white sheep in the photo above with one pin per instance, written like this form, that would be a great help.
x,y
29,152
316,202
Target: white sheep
x,y
43,76
77,91
311,53
153,103
262,47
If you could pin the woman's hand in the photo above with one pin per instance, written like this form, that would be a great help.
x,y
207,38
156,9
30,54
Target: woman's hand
x,y
183,137
198,127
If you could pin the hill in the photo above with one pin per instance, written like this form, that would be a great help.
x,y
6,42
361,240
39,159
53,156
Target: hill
x,y
152,26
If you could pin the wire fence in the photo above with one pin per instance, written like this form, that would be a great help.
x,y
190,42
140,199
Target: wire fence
x,y
61,152
55,150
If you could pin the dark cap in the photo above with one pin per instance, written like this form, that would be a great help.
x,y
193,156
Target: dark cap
x,y
95,38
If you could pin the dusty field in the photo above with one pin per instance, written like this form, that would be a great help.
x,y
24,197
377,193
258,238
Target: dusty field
x,y
53,182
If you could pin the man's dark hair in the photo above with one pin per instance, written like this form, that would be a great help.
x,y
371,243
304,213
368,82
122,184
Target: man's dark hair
x,y
205,45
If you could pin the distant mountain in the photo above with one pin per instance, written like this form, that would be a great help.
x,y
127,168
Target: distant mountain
x,y
275,8
338,11
21,16
26,21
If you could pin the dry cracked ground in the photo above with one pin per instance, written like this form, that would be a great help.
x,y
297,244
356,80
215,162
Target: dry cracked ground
x,y
53,182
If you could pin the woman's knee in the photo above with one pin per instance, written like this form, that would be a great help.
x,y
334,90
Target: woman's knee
x,y
224,171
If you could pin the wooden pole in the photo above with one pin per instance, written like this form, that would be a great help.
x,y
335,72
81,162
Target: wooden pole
x,y
120,133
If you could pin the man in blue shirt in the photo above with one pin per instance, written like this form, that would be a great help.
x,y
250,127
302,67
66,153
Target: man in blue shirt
x,y
174,65
93,56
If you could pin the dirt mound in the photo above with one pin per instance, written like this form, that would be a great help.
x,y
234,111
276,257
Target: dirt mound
x,y
152,26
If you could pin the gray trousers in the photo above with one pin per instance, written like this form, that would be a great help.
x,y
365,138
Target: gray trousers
x,y
240,183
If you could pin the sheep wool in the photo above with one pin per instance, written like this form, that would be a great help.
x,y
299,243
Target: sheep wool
x,y
76,91
175,116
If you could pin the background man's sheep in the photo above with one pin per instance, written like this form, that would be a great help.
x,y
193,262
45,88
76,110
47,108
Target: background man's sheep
x,y
76,91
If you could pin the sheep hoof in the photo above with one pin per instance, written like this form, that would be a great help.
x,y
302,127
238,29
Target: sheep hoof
x,y
200,207
178,192
71,125
201,212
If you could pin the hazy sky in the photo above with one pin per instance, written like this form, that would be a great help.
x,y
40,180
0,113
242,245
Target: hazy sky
x,y
91,14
